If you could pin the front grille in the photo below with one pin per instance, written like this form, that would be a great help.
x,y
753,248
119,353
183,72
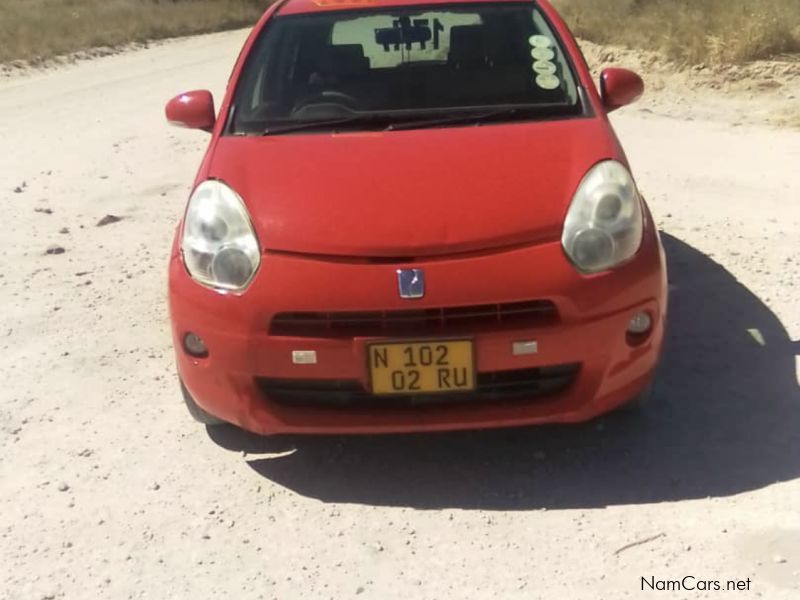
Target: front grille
x,y
464,319
492,387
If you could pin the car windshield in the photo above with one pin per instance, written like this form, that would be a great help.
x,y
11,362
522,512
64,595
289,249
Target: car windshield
x,y
403,67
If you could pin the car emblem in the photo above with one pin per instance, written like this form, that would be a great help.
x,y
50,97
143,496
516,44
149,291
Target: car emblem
x,y
411,283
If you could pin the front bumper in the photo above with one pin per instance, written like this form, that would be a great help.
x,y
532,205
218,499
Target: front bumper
x,y
593,314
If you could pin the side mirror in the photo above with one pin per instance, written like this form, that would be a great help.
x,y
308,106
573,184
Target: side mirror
x,y
620,87
194,110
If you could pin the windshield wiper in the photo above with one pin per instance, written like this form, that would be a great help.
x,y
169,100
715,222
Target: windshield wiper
x,y
480,117
321,124
454,118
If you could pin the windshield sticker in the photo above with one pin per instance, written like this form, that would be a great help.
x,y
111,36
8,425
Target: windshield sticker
x,y
540,41
544,67
543,54
547,82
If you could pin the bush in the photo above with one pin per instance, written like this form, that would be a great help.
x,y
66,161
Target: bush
x,y
691,31
34,29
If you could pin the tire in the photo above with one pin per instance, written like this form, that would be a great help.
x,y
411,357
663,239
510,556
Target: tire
x,y
639,402
198,414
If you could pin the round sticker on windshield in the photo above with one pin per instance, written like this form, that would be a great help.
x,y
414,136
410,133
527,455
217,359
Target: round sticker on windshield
x,y
540,41
544,67
547,82
543,54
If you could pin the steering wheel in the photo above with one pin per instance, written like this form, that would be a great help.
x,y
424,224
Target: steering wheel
x,y
327,97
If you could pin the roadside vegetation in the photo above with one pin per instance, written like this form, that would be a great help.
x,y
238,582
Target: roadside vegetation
x,y
691,31
35,29
688,31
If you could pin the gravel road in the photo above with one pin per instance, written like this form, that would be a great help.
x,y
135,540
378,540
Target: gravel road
x,y
108,490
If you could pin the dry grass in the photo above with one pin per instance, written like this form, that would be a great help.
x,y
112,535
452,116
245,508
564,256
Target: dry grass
x,y
36,29
691,31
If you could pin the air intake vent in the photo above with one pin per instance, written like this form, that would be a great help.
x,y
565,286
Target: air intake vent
x,y
465,319
492,387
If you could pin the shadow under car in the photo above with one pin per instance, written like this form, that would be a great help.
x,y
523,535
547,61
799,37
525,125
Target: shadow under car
x,y
724,418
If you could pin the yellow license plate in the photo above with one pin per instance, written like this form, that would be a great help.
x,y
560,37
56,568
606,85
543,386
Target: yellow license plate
x,y
422,367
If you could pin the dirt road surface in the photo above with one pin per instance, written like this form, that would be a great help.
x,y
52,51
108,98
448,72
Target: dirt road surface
x,y
107,490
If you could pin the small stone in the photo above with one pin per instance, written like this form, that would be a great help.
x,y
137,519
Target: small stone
x,y
64,230
360,589
47,211
108,220
55,249
155,487
62,487
778,559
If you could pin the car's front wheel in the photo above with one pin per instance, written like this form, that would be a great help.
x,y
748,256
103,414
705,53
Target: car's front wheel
x,y
198,414
639,402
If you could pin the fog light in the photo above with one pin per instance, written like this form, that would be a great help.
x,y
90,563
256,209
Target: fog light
x,y
194,345
640,323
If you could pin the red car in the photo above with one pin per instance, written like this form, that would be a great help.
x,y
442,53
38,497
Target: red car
x,y
413,216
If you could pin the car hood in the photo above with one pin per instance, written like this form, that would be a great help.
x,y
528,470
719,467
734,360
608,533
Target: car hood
x,y
411,194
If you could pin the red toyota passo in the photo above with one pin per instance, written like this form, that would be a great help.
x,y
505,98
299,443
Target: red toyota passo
x,y
413,216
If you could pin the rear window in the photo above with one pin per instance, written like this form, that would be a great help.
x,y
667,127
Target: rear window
x,y
407,61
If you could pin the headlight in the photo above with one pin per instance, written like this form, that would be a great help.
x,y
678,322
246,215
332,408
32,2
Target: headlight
x,y
219,246
603,227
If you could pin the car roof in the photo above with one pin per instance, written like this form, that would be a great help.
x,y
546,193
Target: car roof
x,y
293,7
